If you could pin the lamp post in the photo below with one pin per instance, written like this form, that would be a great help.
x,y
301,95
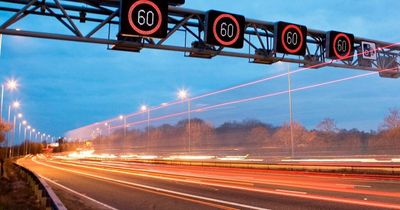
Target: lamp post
x,y
15,105
122,117
184,95
13,136
144,109
29,140
108,125
1,102
10,85
25,143
33,131
19,133
290,112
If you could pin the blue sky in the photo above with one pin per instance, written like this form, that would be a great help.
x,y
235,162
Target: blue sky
x,y
65,85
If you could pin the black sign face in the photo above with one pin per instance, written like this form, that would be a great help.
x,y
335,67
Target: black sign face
x,y
224,29
144,18
290,38
339,45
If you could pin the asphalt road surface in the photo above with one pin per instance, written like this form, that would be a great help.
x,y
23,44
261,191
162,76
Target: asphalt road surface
x,y
126,185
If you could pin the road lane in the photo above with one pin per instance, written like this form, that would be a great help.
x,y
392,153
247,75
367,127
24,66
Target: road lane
x,y
290,185
258,196
117,195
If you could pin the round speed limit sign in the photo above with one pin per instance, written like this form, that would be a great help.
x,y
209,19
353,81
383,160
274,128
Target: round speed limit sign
x,y
144,18
225,29
339,45
290,38
342,46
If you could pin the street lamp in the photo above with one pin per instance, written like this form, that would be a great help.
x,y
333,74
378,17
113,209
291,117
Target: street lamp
x,y
144,109
183,94
33,131
26,127
122,117
19,130
36,134
10,85
14,105
19,115
108,125
30,133
290,112
25,142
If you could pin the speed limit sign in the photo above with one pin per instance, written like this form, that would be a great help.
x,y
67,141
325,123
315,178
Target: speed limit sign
x,y
224,29
339,45
146,18
290,38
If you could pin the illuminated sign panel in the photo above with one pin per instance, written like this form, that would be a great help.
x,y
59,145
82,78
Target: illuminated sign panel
x,y
290,38
224,29
148,18
339,45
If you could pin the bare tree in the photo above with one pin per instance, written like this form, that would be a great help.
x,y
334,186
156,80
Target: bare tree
x,y
4,127
201,132
258,136
327,125
301,135
392,121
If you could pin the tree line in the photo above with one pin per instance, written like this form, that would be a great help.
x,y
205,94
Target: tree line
x,y
240,137
259,139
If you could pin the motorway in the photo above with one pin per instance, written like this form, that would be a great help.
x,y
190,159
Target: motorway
x,y
128,185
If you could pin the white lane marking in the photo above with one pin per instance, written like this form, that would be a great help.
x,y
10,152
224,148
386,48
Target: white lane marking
x,y
75,192
354,185
157,189
291,191
366,186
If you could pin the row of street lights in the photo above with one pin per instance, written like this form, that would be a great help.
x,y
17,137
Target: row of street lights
x,y
12,85
182,94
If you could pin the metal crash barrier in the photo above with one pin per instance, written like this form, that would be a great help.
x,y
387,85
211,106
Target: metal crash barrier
x,y
48,199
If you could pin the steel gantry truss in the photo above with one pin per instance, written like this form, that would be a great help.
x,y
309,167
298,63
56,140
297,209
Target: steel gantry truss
x,y
186,28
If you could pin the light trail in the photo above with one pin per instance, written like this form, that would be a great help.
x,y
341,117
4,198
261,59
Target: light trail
x,y
226,177
156,189
206,108
251,189
164,105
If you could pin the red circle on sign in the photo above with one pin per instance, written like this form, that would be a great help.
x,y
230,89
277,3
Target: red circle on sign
x,y
283,38
335,50
155,7
215,29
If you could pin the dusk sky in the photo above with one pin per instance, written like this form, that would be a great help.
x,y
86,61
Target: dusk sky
x,y
66,85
